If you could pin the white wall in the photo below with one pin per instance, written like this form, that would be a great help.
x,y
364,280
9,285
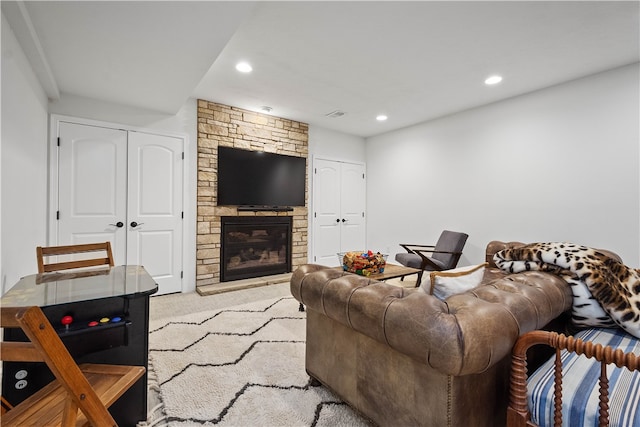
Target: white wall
x,y
184,121
334,145
23,171
560,164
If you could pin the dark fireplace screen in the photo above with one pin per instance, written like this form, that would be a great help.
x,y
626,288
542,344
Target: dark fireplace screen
x,y
255,246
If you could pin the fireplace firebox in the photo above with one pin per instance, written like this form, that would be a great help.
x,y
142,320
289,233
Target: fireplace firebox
x,y
255,246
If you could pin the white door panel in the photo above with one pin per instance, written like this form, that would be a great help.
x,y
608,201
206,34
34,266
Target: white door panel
x,y
326,194
92,180
325,245
153,250
352,202
155,205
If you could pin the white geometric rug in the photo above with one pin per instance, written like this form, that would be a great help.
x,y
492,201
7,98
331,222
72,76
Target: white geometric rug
x,y
240,366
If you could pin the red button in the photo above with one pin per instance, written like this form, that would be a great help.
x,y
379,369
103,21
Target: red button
x,y
93,323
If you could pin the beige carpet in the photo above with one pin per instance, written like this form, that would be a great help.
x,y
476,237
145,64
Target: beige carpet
x,y
164,306
235,359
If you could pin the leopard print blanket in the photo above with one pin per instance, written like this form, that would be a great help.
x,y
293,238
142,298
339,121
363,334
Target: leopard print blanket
x,y
606,292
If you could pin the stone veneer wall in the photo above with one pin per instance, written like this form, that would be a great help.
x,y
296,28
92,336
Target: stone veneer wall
x,y
222,125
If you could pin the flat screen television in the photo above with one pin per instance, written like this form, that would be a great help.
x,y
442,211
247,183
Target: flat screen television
x,y
258,179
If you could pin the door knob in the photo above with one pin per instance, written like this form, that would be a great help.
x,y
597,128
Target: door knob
x,y
135,224
337,219
118,224
344,220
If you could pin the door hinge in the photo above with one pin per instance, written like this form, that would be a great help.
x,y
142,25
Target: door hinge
x,y
362,214
183,155
58,141
362,176
315,170
314,258
315,214
58,215
182,274
182,216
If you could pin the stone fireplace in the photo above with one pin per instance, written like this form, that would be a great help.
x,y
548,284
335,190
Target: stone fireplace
x,y
255,246
223,125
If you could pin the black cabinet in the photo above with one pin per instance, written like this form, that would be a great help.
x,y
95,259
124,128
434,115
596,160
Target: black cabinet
x,y
120,336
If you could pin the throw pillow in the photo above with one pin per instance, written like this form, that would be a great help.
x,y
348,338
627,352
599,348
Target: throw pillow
x,y
443,284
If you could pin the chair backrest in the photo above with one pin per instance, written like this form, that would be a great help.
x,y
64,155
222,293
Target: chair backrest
x,y
42,252
452,242
518,414
45,346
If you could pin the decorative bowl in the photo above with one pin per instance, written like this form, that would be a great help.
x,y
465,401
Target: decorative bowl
x,y
364,263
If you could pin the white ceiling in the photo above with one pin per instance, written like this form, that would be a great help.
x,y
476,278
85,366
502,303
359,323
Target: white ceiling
x,y
412,61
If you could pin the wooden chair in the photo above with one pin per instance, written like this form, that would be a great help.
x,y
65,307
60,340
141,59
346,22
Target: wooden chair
x,y
42,252
518,414
92,388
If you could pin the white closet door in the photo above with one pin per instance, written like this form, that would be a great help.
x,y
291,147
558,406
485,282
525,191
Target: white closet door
x,y
326,206
92,187
339,205
154,219
352,207
125,187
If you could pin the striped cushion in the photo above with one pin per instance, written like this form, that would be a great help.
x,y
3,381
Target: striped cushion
x,y
580,387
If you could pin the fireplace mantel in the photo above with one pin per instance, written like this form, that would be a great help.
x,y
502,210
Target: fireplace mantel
x,y
265,209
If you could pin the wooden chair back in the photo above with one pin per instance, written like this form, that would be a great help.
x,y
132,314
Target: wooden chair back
x,y
92,388
42,252
518,414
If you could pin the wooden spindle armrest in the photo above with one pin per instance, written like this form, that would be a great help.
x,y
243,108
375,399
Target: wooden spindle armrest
x,y
518,414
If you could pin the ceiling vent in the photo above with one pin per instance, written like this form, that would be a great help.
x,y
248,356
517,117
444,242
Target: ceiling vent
x,y
335,114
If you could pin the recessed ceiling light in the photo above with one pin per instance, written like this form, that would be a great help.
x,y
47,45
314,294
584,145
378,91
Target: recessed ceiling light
x,y
244,67
266,109
381,118
493,80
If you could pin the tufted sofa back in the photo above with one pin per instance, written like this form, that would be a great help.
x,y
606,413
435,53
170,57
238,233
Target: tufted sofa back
x,y
465,334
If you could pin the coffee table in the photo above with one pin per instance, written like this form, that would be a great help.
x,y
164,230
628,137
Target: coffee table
x,y
391,271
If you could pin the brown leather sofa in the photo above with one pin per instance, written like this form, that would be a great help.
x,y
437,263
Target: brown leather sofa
x,y
401,357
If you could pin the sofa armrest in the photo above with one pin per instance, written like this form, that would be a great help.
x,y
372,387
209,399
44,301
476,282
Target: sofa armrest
x,y
495,246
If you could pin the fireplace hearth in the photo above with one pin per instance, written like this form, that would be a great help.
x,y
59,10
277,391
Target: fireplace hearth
x,y
255,246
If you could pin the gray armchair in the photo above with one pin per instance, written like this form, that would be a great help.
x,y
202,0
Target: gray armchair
x,y
443,256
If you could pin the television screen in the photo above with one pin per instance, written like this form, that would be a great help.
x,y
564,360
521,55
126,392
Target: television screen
x,y
253,178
